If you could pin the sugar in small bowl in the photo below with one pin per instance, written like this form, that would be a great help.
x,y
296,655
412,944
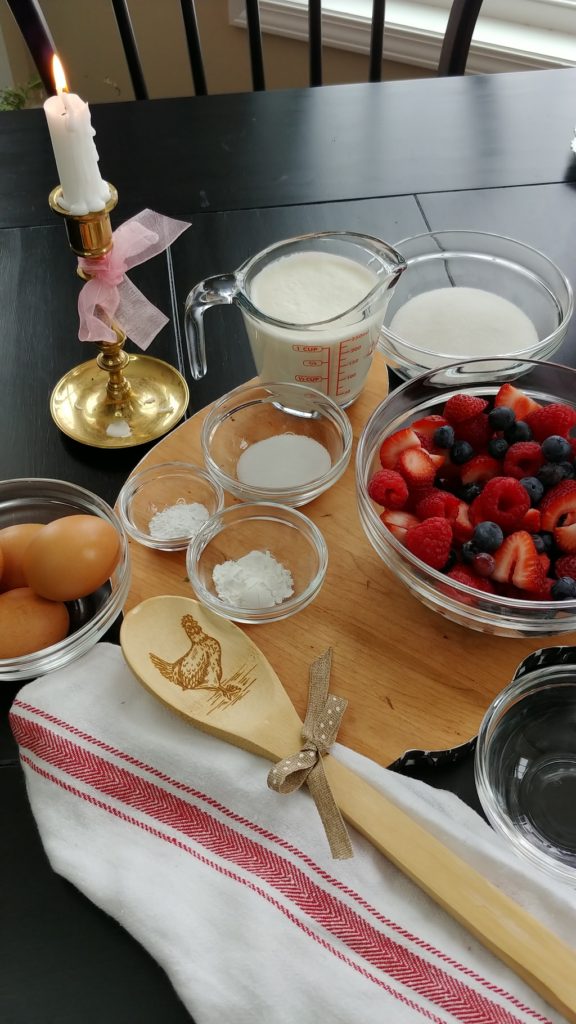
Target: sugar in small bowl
x,y
164,506
257,563
275,441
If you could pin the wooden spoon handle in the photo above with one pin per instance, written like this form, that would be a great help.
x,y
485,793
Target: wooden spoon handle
x,y
505,928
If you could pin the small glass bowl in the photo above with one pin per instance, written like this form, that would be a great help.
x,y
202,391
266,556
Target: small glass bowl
x,y
156,488
476,259
525,763
42,501
254,412
290,537
425,395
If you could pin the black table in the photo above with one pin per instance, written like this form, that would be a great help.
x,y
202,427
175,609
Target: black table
x,y
490,153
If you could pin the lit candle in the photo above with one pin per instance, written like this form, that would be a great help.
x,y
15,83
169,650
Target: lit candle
x,y
72,135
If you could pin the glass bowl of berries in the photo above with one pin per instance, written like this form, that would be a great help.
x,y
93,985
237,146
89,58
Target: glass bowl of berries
x,y
466,489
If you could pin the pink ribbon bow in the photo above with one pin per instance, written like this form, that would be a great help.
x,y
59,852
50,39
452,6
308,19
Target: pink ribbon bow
x,y
110,295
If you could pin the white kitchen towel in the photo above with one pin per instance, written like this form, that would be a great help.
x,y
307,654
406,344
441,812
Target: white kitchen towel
x,y
231,886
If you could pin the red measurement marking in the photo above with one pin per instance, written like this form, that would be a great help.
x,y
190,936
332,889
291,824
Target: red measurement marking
x,y
313,362
308,380
307,348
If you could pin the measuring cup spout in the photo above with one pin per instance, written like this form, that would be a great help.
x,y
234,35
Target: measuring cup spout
x,y
213,291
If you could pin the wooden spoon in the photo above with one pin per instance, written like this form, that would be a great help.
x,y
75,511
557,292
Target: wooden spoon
x,y
207,669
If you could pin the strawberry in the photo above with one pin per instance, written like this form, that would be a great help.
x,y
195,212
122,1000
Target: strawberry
x,y
542,594
566,566
437,503
516,400
557,502
430,541
532,521
517,562
476,431
565,538
461,525
544,561
479,469
461,574
393,446
417,467
556,418
463,407
503,501
428,425
398,522
523,459
388,488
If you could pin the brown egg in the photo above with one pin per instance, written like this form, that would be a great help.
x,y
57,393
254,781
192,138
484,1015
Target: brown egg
x,y
29,623
13,541
71,557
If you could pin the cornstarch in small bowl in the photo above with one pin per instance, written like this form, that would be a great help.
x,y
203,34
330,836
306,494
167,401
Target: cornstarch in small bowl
x,y
183,519
257,580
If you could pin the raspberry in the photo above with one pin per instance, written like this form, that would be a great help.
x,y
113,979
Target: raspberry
x,y
523,459
566,566
431,541
437,503
388,488
503,501
463,575
463,407
556,418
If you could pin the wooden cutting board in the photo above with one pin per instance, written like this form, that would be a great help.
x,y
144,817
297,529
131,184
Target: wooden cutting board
x,y
412,678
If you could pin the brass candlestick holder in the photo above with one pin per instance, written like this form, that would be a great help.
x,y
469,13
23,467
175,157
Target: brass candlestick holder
x,y
117,400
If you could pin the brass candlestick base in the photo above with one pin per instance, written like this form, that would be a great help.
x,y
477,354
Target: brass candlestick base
x,y
141,398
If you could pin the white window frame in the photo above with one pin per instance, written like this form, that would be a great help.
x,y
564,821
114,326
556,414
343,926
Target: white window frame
x,y
510,35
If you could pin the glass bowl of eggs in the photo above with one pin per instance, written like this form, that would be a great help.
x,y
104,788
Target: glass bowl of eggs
x,y
469,294
64,574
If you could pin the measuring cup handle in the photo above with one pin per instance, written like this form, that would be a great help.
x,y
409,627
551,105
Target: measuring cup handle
x,y
214,291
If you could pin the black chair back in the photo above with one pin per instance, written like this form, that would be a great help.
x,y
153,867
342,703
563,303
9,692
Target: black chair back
x,y
32,24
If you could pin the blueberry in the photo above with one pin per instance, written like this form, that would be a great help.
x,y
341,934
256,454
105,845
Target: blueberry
x,y
484,564
469,551
498,446
564,589
501,417
568,470
519,431
469,492
487,537
461,452
539,543
550,474
534,487
556,448
444,437
547,540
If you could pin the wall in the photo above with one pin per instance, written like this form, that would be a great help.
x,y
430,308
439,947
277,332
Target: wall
x,y
86,37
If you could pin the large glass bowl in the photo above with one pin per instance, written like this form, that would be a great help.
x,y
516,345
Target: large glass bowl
x,y
475,259
526,761
488,613
41,501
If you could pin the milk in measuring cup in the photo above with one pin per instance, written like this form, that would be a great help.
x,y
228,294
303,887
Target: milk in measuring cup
x,y
307,288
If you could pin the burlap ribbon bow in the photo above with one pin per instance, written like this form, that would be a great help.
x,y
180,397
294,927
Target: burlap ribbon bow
x,y
321,725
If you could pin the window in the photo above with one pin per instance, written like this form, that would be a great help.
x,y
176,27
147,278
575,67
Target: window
x,y
510,34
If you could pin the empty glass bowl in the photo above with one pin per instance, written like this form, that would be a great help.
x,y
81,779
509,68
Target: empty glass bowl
x,y
290,538
41,501
489,613
526,761
294,416
177,486
507,269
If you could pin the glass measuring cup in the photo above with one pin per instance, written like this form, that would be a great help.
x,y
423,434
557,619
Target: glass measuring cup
x,y
329,339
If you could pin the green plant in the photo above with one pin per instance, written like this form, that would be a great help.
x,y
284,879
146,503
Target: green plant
x,y
20,95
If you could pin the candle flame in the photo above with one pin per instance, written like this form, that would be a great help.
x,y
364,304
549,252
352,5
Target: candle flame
x,y
58,75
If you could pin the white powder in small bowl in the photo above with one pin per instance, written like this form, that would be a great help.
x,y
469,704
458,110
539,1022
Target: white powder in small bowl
x,y
179,520
257,580
283,461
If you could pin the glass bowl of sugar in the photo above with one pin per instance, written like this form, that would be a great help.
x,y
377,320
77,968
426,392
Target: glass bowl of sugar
x,y
257,563
470,294
278,442
164,506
